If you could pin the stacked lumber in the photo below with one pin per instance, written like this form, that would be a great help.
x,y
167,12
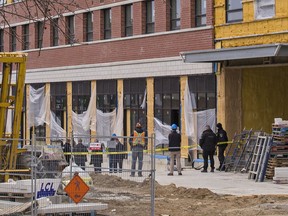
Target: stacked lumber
x,y
274,163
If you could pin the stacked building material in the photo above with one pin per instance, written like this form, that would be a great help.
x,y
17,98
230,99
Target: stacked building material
x,y
279,154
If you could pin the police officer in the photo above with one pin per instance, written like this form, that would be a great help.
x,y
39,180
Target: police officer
x,y
221,137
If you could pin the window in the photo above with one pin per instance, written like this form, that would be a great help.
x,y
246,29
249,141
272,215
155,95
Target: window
x,y
107,23
25,37
70,30
1,40
200,12
234,11
167,99
81,93
175,13
54,32
88,26
150,16
39,28
13,41
134,91
58,101
203,91
264,9
106,95
128,20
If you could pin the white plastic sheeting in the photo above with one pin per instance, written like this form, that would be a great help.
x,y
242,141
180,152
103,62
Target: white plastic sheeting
x,y
264,9
195,122
92,119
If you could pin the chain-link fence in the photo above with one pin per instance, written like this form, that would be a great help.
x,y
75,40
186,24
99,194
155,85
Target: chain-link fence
x,y
36,177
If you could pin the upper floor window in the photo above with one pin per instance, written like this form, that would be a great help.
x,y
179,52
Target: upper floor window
x,y
200,12
88,26
1,40
81,93
129,20
13,42
234,10
175,13
150,16
70,30
54,32
264,9
107,23
25,37
39,28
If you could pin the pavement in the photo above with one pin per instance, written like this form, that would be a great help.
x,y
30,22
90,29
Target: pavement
x,y
221,182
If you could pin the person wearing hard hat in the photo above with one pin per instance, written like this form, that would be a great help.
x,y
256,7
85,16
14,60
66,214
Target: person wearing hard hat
x,y
174,148
138,144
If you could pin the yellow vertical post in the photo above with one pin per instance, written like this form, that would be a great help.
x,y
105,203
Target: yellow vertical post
x,y
128,121
27,134
150,108
120,92
69,109
93,88
184,138
48,117
20,83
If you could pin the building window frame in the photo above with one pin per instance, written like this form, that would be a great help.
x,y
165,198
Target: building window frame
x,y
264,9
88,26
25,37
39,33
200,13
203,91
150,17
13,39
58,98
81,93
234,9
1,40
106,95
167,99
175,14
129,20
54,32
107,23
70,29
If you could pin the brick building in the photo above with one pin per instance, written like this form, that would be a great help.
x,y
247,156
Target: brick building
x,y
119,47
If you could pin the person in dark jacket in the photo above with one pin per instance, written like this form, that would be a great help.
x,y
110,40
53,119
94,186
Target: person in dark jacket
x,y
221,139
174,148
138,143
80,159
97,159
208,143
119,157
67,149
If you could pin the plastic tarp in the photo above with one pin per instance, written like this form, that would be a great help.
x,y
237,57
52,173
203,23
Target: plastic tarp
x,y
92,119
264,9
161,132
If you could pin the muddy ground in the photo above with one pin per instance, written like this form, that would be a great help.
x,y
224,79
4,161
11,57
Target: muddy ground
x,y
130,198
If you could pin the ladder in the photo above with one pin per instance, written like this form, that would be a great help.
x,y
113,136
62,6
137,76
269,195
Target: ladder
x,y
260,158
234,150
244,161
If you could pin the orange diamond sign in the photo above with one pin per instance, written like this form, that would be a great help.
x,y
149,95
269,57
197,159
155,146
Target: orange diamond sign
x,y
76,189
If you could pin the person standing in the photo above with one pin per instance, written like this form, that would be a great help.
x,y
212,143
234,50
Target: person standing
x,y
138,143
67,149
222,144
112,156
208,143
80,159
174,149
119,157
97,157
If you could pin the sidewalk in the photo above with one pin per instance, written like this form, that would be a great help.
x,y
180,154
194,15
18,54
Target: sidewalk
x,y
221,182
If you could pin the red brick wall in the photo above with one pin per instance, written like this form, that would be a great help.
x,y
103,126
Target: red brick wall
x,y
122,50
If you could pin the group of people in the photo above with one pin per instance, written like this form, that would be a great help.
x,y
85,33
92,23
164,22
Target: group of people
x,y
208,142
138,142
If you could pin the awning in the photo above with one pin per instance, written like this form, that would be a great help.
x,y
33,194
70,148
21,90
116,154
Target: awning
x,y
235,53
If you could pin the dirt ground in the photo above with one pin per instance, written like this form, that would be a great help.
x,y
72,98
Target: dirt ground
x,y
129,198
